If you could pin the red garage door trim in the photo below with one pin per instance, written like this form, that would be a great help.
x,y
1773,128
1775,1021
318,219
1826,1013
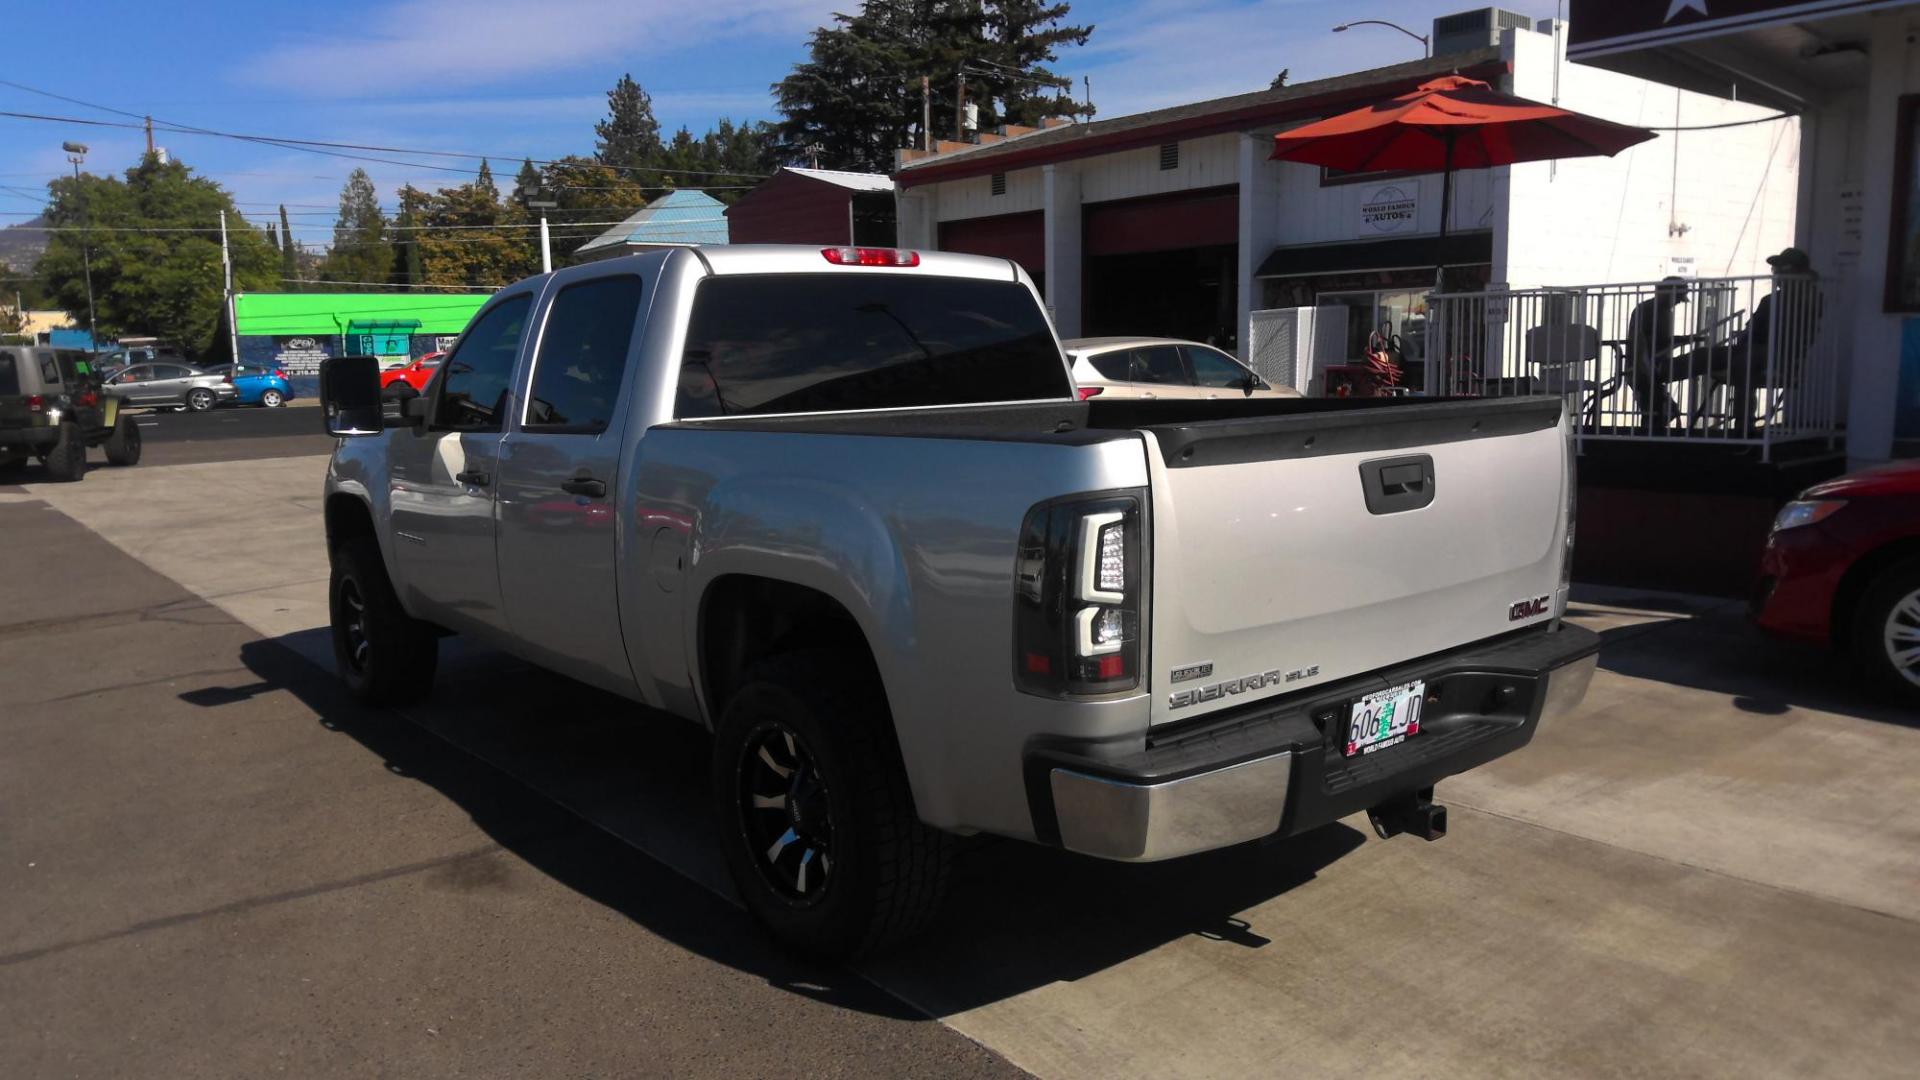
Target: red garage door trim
x,y
1163,222
1020,237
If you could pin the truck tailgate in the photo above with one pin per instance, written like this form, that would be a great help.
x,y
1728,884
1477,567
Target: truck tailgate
x,y
1294,550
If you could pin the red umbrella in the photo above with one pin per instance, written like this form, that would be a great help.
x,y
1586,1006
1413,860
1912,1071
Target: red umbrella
x,y
1452,123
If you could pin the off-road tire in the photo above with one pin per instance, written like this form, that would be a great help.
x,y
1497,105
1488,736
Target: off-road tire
x,y
1896,587
123,446
889,871
384,655
200,399
66,460
272,399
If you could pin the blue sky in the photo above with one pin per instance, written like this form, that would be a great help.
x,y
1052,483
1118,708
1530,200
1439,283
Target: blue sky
x,y
513,78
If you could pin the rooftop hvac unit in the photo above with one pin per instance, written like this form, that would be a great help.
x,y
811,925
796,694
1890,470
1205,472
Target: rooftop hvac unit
x,y
1471,30
1293,346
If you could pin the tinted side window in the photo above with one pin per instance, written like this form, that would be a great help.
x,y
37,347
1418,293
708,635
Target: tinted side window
x,y
831,342
473,389
1159,364
1113,365
9,375
583,355
1212,369
49,372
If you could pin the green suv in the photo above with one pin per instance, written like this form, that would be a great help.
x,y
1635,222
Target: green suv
x,y
52,407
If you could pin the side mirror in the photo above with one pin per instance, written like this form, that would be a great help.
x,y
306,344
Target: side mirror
x,y
350,395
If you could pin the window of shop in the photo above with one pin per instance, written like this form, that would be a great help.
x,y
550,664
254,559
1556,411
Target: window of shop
x,y
1393,319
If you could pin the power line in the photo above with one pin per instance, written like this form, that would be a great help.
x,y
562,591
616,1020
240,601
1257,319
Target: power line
x,y
389,284
324,146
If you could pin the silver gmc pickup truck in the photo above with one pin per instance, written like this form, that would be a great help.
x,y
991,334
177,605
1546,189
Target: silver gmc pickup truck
x,y
845,509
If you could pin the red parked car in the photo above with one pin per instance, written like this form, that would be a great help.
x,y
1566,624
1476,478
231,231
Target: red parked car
x,y
410,379
1842,568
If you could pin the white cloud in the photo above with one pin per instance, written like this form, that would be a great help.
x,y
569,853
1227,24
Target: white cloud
x,y
463,43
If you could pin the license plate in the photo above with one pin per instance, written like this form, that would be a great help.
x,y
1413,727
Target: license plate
x,y
1386,718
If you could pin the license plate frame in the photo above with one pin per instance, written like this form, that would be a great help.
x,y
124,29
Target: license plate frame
x,y
1385,718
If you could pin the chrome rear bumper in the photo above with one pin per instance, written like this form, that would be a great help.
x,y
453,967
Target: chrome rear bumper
x,y
1132,815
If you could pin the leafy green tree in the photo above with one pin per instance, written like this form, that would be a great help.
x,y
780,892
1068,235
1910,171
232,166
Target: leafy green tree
x,y
362,248
629,138
590,192
154,241
462,242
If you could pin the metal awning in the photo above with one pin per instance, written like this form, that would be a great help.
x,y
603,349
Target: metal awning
x,y
1407,253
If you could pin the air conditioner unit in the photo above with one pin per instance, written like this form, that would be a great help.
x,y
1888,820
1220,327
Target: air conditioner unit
x,y
1470,30
1293,346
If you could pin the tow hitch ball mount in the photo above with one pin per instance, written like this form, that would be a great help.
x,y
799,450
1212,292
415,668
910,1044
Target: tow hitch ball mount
x,y
1415,813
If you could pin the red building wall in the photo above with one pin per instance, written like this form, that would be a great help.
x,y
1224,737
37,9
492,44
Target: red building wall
x,y
792,209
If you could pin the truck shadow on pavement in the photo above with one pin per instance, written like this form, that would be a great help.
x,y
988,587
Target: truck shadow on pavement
x,y
611,800
1714,648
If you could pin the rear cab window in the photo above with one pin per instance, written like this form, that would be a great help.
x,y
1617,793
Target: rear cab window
x,y
582,357
794,343
9,374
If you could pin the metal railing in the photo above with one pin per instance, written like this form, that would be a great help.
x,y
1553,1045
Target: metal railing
x,y
1738,360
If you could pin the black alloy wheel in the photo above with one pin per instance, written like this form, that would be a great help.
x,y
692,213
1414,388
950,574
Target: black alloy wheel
x,y
785,813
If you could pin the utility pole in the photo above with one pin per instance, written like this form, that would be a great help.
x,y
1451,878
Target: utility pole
x,y
926,113
542,200
960,109
77,153
226,270
149,136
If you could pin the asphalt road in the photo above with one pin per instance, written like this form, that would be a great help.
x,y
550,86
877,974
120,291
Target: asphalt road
x,y
233,433
213,863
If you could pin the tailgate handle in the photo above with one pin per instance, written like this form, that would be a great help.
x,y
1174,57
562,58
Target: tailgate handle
x,y
1395,485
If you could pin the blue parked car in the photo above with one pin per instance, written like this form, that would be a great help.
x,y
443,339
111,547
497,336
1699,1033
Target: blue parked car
x,y
257,385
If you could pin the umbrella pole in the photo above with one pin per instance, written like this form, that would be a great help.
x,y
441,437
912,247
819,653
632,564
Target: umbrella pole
x,y
1446,204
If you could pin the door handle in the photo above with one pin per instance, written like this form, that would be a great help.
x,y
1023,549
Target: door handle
x,y
473,477
585,485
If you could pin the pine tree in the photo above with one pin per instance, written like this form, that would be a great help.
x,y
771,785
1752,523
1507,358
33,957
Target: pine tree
x,y
483,183
407,268
629,138
856,99
526,183
362,248
289,260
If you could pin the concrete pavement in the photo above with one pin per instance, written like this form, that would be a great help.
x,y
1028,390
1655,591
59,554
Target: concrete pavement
x,y
1710,871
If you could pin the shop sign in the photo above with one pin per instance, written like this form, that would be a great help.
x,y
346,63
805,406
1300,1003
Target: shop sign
x,y
1601,26
1389,208
299,355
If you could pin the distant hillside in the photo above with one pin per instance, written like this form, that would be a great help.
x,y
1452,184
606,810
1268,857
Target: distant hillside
x,y
21,247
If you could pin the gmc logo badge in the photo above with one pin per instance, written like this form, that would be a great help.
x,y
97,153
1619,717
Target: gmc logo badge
x,y
1529,609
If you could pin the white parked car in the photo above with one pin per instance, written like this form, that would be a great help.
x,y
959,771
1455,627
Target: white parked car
x,y
1143,367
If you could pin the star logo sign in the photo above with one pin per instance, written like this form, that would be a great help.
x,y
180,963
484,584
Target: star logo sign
x,y
1675,7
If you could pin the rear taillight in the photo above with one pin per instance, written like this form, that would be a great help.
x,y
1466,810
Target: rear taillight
x,y
88,399
1077,588
1091,392
866,256
36,403
278,374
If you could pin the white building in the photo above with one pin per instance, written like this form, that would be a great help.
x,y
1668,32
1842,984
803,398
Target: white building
x,y
1176,222
1850,69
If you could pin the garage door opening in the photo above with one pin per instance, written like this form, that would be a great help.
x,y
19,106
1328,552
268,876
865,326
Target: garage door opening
x,y
1187,293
